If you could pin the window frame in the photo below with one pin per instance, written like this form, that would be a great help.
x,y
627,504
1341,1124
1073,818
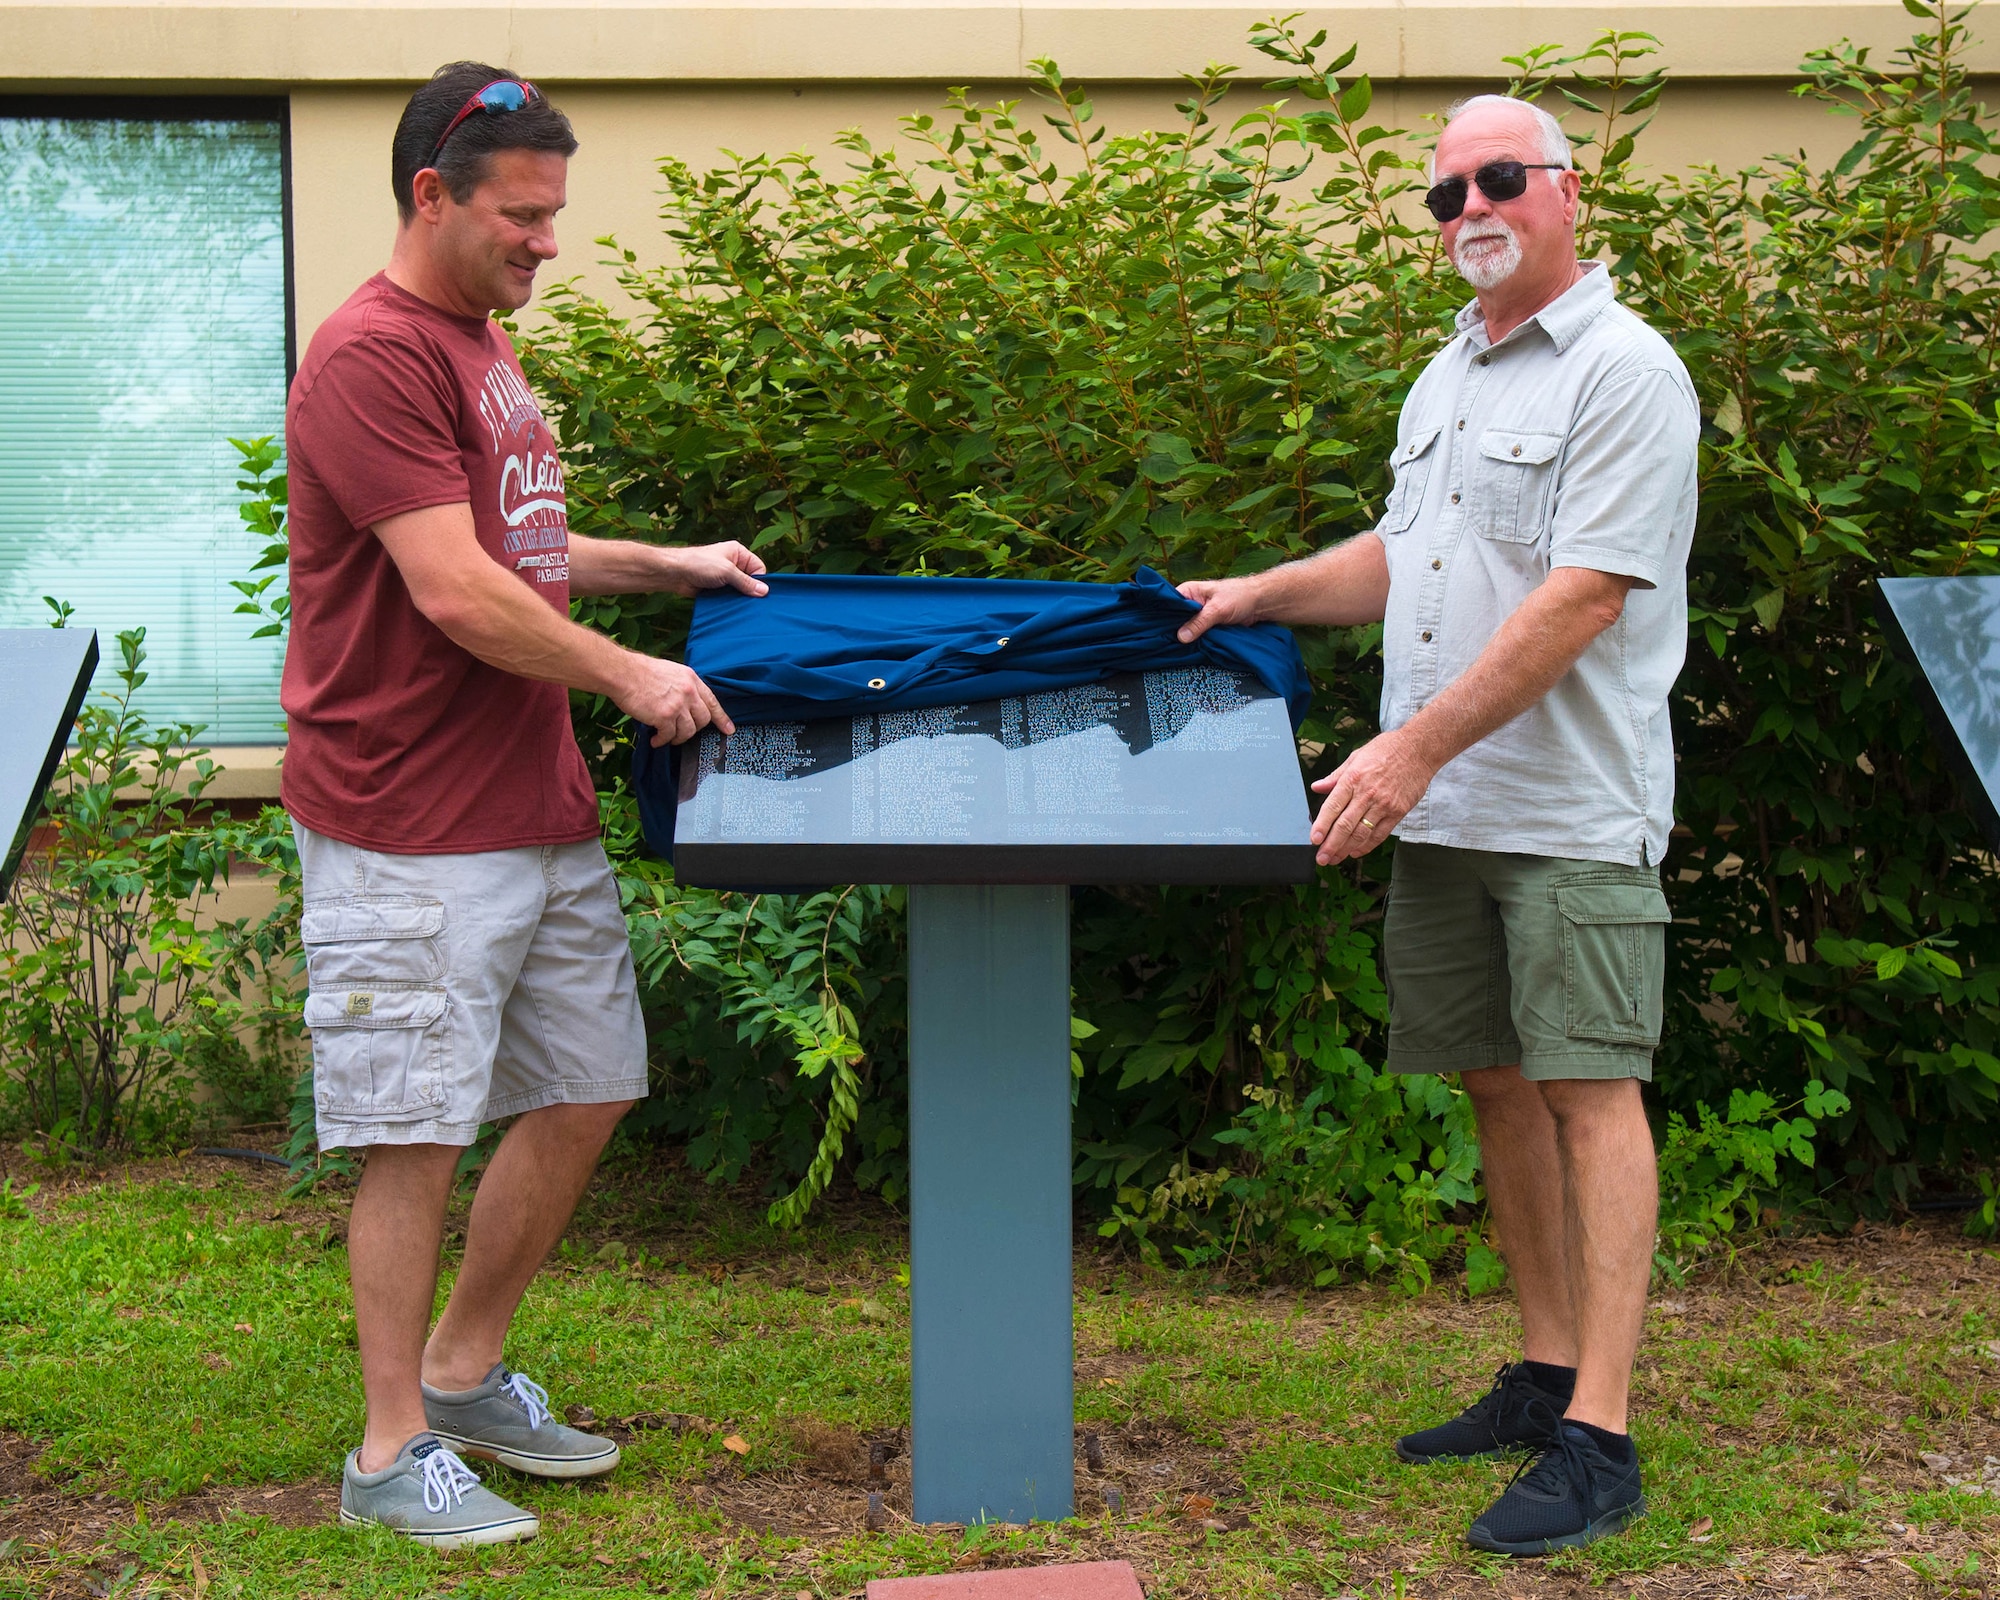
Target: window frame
x,y
189,108
102,106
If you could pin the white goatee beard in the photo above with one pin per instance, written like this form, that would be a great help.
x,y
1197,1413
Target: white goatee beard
x,y
1488,269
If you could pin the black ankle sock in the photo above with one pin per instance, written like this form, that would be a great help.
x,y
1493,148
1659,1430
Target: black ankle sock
x,y
1552,1380
1617,1447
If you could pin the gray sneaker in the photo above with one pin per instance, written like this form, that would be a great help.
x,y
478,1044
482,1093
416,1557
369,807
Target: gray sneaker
x,y
431,1496
506,1419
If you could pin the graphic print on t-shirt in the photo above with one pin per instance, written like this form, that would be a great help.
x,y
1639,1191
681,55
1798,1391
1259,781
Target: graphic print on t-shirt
x,y
401,740
531,480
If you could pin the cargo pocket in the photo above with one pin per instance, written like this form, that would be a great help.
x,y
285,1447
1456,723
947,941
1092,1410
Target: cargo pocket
x,y
1515,472
373,938
375,1006
1614,943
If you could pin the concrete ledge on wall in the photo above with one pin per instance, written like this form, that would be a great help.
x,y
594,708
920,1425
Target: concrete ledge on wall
x,y
249,771
266,44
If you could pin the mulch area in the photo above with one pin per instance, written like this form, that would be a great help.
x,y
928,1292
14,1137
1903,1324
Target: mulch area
x,y
40,1513
1170,1505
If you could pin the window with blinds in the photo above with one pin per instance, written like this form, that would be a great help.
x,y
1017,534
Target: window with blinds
x,y
142,325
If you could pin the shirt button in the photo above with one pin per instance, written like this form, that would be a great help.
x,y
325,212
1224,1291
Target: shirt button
x,y
1517,449
1484,359
1437,566
1461,424
1426,636
1454,499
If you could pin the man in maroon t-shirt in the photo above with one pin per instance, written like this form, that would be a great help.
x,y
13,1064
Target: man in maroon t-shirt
x,y
466,956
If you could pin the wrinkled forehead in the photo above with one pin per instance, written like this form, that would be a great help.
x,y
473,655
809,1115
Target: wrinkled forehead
x,y
1488,133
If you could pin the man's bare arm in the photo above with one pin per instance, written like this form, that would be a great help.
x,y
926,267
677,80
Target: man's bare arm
x,y
498,618
1340,587
625,566
1523,661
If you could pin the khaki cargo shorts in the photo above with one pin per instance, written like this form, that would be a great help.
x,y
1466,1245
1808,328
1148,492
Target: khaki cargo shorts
x,y
447,991
1494,959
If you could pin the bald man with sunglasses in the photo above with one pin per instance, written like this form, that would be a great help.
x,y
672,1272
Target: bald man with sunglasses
x,y
1529,570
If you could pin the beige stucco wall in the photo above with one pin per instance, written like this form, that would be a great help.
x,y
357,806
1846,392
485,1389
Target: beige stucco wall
x,y
735,41
646,80
344,217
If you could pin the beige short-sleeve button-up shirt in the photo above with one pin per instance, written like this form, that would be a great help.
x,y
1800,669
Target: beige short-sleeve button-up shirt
x,y
1570,443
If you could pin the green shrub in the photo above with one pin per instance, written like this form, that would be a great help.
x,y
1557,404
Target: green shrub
x,y
118,982
1715,1171
1840,324
969,357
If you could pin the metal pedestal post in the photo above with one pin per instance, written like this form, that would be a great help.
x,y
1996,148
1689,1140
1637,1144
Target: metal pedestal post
x,y
992,1406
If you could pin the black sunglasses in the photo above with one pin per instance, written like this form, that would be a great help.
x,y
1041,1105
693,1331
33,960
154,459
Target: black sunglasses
x,y
1497,180
501,95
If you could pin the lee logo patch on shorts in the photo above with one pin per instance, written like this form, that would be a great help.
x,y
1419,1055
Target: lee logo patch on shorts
x,y
360,1005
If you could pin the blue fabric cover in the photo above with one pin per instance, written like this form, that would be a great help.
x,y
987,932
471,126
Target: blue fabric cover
x,y
815,645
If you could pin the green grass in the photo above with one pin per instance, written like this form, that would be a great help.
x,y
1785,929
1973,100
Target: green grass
x,y
180,1332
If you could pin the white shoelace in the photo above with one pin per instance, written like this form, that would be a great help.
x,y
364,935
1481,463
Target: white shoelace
x,y
530,1395
446,1478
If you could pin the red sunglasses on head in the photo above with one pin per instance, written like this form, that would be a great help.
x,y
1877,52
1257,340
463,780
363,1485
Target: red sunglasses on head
x,y
501,95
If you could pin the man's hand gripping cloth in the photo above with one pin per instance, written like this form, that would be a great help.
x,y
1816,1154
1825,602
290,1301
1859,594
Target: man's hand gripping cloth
x,y
821,646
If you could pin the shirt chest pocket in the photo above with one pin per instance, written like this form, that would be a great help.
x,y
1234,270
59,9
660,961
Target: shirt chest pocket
x,y
1412,463
1513,483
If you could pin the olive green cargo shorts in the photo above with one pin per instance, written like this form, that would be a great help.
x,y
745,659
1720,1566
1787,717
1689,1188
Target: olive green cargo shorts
x,y
1494,959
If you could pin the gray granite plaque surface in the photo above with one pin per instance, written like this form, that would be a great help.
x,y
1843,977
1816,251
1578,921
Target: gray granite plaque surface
x,y
1188,776
46,672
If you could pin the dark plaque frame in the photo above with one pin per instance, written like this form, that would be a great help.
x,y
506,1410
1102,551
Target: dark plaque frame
x,y
47,672
1948,629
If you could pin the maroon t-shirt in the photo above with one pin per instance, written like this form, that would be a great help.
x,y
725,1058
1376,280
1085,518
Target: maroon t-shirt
x,y
400,740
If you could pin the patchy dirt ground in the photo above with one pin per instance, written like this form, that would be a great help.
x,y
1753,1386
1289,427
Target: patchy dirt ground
x,y
1178,1508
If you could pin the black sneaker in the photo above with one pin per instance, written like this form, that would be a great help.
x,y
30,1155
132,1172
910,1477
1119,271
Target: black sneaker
x,y
1496,1422
1571,1494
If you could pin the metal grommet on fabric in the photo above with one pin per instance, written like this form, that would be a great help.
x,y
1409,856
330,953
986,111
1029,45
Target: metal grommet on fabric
x,y
878,683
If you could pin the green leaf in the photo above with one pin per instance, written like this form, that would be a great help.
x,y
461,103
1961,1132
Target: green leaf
x,y
1485,1271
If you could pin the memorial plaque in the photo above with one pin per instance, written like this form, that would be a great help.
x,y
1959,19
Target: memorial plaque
x,y
1189,775
1184,776
47,672
1949,630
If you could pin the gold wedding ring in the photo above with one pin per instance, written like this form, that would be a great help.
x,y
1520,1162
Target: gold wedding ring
x,y
1366,823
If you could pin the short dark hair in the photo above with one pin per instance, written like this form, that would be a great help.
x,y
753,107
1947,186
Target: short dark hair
x,y
463,163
